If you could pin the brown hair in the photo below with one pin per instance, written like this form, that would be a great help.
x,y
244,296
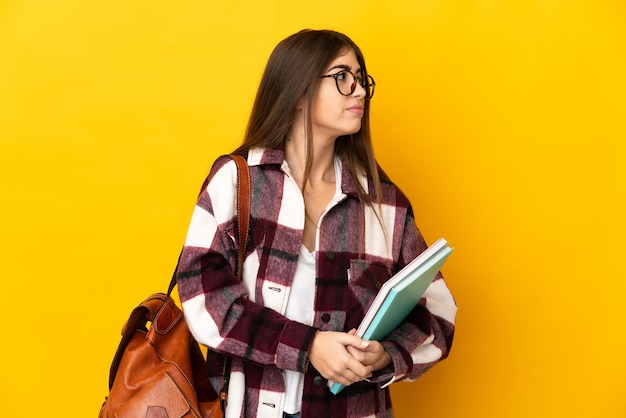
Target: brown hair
x,y
291,76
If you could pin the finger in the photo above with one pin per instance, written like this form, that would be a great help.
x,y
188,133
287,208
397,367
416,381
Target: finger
x,y
358,354
352,369
358,371
353,341
349,377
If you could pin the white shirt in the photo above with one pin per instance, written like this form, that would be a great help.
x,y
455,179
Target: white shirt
x,y
299,308
301,304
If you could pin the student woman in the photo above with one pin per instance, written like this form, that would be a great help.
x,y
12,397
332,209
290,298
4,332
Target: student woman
x,y
328,227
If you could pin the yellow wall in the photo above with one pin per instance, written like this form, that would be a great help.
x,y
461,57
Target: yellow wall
x,y
503,120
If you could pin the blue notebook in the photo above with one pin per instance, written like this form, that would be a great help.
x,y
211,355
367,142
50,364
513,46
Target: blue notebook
x,y
399,295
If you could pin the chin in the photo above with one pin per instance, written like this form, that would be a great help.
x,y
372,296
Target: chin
x,y
352,130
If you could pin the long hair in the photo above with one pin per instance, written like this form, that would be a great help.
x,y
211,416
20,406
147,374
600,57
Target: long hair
x,y
291,77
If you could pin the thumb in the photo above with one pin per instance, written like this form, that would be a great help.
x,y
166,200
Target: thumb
x,y
349,339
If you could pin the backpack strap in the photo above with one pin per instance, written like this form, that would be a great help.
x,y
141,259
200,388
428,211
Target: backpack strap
x,y
139,317
243,216
243,208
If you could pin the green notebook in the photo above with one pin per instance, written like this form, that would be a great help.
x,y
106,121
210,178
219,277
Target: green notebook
x,y
399,295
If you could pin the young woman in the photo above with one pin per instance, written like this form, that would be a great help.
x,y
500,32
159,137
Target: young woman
x,y
328,228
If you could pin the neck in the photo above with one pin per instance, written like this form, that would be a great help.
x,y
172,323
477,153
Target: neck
x,y
322,165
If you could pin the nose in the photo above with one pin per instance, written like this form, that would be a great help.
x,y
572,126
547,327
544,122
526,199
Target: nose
x,y
359,90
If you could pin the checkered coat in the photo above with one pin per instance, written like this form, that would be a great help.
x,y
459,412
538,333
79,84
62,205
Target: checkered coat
x,y
354,256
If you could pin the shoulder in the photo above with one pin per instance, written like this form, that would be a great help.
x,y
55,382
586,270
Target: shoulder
x,y
223,163
223,175
392,194
223,172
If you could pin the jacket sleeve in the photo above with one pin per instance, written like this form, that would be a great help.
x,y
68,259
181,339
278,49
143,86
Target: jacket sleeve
x,y
425,337
215,302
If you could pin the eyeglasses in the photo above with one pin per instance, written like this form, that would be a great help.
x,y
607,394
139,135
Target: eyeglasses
x,y
346,83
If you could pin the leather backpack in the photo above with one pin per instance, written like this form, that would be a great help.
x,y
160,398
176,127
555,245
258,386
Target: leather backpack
x,y
159,370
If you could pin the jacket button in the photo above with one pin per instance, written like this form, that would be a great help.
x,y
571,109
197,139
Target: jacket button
x,y
330,255
326,317
318,381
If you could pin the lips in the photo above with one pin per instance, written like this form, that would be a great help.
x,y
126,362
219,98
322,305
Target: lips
x,y
356,109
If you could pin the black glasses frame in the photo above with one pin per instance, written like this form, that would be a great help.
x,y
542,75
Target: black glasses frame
x,y
368,85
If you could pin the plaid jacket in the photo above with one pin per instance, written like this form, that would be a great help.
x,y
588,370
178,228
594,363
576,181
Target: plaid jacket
x,y
354,256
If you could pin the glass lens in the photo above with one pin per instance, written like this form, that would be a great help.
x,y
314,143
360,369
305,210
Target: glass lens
x,y
345,82
369,86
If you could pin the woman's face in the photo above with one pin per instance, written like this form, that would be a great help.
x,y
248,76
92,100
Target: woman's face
x,y
333,114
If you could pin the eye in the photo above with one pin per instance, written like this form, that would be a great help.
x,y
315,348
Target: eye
x,y
342,76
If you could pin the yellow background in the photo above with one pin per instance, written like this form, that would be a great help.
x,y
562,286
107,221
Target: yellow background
x,y
504,121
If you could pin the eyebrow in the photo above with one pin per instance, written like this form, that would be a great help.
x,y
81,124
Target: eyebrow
x,y
343,67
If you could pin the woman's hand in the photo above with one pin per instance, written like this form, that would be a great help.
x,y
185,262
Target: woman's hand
x,y
330,356
372,354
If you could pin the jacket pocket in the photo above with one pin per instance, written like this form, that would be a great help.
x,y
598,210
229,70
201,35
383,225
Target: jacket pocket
x,y
365,278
